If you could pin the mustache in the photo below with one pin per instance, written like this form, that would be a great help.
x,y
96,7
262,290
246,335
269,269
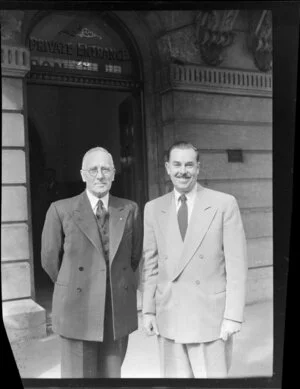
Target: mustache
x,y
183,175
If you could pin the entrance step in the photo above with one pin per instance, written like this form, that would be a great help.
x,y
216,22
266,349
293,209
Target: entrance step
x,y
24,319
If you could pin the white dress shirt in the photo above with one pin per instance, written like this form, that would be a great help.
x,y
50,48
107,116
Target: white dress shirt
x,y
190,200
94,201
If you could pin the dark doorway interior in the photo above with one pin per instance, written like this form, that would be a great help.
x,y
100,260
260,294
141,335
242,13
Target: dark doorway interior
x,y
63,123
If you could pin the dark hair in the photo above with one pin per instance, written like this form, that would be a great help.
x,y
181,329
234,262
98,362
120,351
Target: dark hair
x,y
183,145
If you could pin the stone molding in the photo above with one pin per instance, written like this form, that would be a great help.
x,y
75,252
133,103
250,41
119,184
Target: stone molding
x,y
211,80
81,80
214,33
15,61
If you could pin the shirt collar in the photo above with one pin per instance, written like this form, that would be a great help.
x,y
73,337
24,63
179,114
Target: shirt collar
x,y
190,195
94,199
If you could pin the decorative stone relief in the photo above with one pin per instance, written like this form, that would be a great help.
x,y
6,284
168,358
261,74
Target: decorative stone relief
x,y
175,19
260,40
179,46
11,24
214,33
153,21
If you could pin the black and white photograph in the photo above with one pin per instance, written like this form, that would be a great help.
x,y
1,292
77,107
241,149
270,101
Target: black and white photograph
x,y
138,196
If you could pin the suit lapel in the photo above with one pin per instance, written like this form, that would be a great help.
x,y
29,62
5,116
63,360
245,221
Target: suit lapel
x,y
201,218
85,219
117,220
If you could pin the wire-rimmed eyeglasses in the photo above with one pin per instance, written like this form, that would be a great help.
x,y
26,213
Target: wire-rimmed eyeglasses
x,y
105,170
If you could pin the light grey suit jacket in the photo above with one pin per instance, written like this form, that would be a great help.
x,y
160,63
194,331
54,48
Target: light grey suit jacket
x,y
192,285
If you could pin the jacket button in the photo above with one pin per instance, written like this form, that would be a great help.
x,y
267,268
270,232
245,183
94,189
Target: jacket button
x,y
81,268
126,287
78,290
197,282
201,256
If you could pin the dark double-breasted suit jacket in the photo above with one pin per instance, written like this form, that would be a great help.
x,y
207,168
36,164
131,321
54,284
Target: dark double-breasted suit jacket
x,y
73,257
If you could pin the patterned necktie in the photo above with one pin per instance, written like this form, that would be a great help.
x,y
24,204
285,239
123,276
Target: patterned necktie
x,y
101,213
182,216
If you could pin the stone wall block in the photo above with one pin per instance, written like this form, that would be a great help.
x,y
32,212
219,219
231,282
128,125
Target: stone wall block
x,y
259,285
254,165
260,252
15,280
222,136
257,224
249,194
14,203
24,320
13,167
12,93
12,129
14,245
222,107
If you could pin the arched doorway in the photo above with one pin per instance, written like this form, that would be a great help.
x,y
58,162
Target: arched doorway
x,y
84,89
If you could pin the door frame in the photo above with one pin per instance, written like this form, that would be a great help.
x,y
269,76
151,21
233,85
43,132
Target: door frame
x,y
135,93
150,62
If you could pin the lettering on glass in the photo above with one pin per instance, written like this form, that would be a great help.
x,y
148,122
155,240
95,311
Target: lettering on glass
x,y
79,50
113,69
53,47
59,63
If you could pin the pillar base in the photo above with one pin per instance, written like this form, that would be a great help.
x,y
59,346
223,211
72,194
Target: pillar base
x,y
24,320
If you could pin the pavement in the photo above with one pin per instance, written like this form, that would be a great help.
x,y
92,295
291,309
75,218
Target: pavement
x,y
252,353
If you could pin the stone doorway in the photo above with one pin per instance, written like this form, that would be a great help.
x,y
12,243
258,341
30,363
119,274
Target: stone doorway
x,y
64,122
83,90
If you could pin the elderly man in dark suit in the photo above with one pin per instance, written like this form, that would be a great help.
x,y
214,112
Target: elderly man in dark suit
x,y
91,247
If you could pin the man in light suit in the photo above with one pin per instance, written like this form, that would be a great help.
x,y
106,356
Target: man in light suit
x,y
91,247
195,270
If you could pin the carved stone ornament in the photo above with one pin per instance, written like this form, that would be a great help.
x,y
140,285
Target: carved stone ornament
x,y
10,25
214,33
260,41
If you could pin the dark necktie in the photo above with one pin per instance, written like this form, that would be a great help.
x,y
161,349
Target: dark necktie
x,y
102,220
182,216
101,213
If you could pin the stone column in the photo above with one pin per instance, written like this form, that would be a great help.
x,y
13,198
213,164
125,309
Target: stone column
x,y
23,317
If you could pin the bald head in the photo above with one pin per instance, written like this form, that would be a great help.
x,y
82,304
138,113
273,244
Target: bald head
x,y
93,150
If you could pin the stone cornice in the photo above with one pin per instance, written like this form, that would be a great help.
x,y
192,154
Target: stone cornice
x,y
213,80
15,61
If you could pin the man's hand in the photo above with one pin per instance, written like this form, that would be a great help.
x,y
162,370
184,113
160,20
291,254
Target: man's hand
x,y
228,328
149,322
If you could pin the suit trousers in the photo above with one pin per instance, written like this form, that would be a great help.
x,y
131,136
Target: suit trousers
x,y
195,360
89,359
